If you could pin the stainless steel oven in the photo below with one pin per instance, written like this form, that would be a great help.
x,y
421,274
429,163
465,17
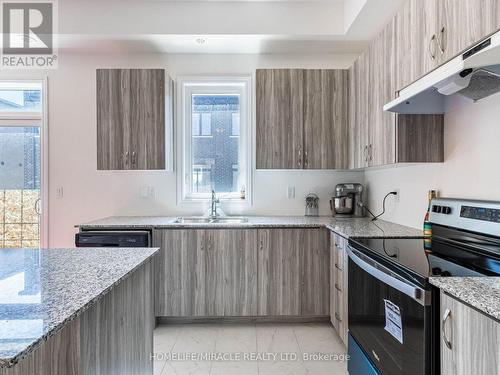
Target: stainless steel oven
x,y
393,311
390,320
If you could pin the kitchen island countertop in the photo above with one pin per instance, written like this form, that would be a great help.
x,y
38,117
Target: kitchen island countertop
x,y
43,290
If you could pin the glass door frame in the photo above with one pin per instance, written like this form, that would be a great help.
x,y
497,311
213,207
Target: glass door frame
x,y
33,119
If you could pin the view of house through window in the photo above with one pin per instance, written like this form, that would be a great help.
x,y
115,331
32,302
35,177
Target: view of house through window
x,y
20,155
215,143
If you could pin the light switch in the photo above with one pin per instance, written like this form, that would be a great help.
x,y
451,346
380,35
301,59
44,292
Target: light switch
x,y
290,192
60,193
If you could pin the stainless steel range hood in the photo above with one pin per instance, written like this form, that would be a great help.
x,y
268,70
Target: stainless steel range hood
x,y
474,75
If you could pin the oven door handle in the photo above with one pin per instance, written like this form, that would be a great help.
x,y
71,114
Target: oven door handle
x,y
382,274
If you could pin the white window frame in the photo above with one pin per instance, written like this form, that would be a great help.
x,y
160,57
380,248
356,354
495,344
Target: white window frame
x,y
186,87
35,119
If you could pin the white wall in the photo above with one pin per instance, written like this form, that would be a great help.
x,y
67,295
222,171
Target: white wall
x,y
471,168
91,194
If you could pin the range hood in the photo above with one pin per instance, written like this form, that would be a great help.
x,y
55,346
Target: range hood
x,y
474,75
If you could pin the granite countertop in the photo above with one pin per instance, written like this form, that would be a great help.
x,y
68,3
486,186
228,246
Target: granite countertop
x,y
346,227
42,290
483,293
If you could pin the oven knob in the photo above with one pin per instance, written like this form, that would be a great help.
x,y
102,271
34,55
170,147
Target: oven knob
x,y
446,273
436,271
435,208
446,210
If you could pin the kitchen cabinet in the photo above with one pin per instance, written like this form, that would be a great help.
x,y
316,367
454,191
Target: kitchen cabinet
x,y
463,23
470,340
279,277
338,285
131,118
231,272
377,137
206,272
315,294
180,272
293,275
325,118
431,32
242,272
302,118
280,122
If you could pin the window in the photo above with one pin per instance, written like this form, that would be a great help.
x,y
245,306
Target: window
x,y
214,138
21,154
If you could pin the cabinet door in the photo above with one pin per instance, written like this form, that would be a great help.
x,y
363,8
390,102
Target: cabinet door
x,y
113,118
279,121
147,116
474,339
180,273
462,23
381,147
358,134
416,41
315,298
279,283
325,118
231,272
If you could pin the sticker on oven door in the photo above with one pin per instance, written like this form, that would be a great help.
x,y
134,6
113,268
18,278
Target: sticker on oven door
x,y
393,323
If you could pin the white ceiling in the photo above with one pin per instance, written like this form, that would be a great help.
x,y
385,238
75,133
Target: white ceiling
x,y
228,26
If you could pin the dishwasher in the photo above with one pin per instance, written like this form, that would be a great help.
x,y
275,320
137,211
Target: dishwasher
x,y
113,238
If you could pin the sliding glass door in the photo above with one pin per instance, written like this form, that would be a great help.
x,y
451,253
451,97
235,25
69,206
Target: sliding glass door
x,y
21,177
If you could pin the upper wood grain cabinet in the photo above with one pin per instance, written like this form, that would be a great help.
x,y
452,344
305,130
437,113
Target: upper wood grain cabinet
x,y
302,119
280,122
473,339
377,137
431,32
326,125
131,118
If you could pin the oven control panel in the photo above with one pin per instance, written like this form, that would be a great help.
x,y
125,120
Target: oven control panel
x,y
472,215
480,213
446,210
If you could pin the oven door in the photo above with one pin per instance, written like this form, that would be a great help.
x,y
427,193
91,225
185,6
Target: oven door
x,y
389,319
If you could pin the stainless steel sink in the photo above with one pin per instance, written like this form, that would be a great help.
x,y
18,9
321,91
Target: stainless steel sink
x,y
208,220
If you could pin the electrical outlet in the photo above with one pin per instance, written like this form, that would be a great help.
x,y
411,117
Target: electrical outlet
x,y
290,192
60,193
396,197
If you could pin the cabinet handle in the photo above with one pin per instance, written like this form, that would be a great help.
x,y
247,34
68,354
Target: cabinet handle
x,y
366,153
134,158
440,39
370,153
126,158
337,267
337,287
432,42
446,315
337,316
306,160
299,161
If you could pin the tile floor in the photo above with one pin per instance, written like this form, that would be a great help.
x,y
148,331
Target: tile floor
x,y
228,341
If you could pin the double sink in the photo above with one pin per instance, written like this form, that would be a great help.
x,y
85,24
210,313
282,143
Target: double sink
x,y
209,220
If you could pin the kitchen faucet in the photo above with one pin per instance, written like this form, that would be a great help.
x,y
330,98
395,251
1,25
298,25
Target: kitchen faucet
x,y
213,211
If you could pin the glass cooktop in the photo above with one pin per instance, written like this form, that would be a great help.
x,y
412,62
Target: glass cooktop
x,y
453,255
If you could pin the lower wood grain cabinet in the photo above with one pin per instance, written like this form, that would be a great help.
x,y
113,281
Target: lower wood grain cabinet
x,y
470,340
293,274
338,285
242,272
206,272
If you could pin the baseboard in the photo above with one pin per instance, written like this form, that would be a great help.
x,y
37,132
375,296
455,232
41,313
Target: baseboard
x,y
240,319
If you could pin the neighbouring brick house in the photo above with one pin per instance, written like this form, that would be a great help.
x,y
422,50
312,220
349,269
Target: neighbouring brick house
x,y
215,143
